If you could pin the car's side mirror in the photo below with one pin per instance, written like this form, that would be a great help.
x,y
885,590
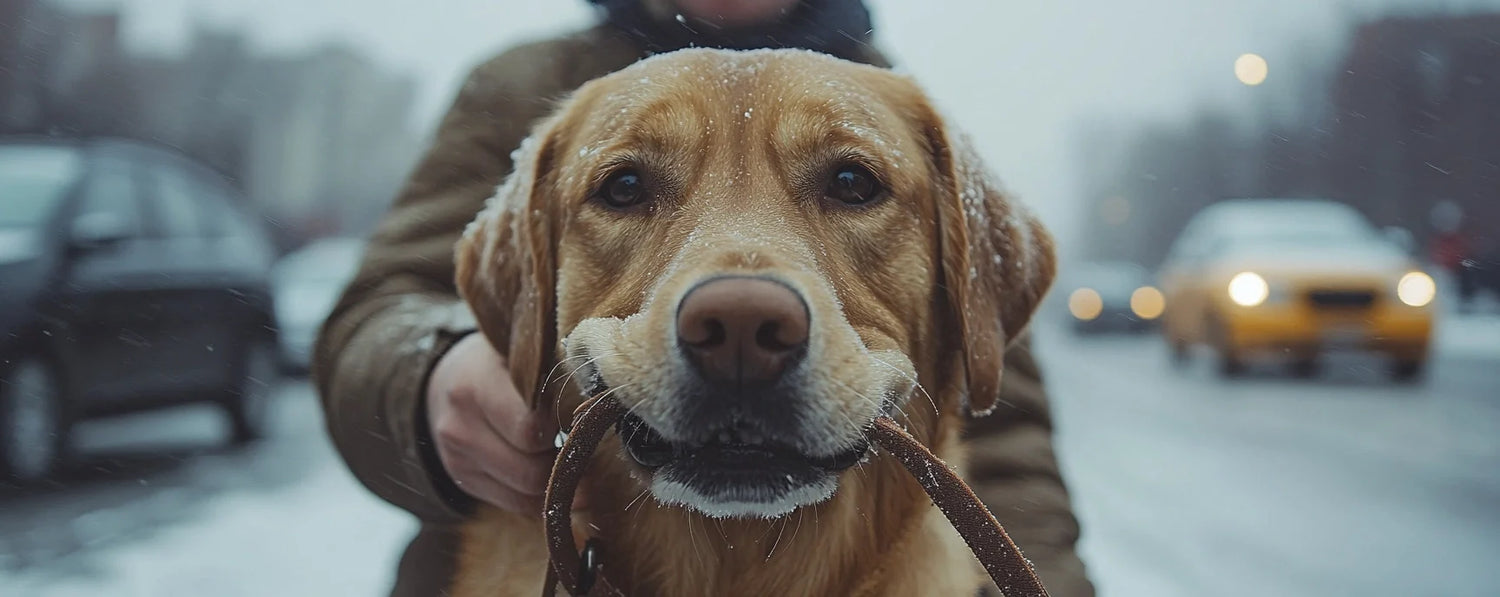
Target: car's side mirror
x,y
97,230
1402,238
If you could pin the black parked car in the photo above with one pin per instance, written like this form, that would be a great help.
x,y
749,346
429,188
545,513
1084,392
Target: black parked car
x,y
130,278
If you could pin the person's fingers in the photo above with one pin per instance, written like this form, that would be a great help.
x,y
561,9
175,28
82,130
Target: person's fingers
x,y
504,410
481,465
501,411
490,490
482,448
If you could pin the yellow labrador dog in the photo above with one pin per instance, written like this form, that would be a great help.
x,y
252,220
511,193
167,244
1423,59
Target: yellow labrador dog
x,y
758,253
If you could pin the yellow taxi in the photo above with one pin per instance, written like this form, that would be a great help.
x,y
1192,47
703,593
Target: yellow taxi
x,y
1294,278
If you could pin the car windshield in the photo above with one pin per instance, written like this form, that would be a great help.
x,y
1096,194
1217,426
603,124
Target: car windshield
x,y
33,180
1110,277
1295,225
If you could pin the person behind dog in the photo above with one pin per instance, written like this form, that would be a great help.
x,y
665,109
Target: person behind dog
x,y
422,408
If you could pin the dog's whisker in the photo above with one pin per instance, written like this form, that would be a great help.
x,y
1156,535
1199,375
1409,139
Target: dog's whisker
x,y
643,507
553,371
556,404
913,380
770,524
801,514
562,387
859,469
784,521
878,406
585,364
694,538
637,498
850,421
719,522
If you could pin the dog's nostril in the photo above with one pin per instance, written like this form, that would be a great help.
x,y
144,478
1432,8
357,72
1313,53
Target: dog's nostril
x,y
770,337
701,332
716,334
741,329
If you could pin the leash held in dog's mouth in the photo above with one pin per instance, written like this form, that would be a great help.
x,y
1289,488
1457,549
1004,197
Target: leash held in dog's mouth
x,y
984,535
732,447
736,470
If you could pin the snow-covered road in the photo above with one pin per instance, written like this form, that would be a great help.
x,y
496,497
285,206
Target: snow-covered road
x,y
1187,485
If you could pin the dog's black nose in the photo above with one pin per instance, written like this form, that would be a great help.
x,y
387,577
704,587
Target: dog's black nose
x,y
742,331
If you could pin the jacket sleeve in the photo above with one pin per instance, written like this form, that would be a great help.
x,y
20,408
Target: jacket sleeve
x,y
401,312
1014,471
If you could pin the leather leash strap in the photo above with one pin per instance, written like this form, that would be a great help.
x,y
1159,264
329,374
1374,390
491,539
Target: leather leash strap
x,y
590,422
986,538
580,575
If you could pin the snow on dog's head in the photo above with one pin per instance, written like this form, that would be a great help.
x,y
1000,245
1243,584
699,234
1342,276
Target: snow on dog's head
x,y
758,253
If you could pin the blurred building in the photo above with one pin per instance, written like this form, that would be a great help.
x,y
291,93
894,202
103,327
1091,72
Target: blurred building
x,y
54,62
333,145
1143,189
319,140
1408,119
1418,122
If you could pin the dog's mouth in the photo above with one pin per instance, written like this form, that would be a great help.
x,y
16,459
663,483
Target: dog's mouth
x,y
733,448
736,471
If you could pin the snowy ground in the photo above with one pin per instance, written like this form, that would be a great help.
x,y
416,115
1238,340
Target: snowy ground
x,y
1186,485
174,515
1342,485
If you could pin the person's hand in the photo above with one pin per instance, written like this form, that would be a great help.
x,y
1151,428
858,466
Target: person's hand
x,y
493,446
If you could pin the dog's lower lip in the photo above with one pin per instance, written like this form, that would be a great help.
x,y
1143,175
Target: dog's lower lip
x,y
652,451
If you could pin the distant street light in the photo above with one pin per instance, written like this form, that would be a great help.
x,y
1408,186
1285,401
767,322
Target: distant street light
x,y
1250,69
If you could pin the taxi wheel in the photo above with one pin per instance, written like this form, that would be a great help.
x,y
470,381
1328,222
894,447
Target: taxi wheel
x,y
1408,371
1230,364
1306,366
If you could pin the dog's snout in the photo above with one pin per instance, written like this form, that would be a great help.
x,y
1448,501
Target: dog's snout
x,y
741,330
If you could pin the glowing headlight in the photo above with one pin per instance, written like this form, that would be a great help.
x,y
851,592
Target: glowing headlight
x,y
1416,289
1085,304
1147,302
1248,289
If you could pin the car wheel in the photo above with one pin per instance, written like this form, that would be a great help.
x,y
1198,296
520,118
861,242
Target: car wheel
x,y
1230,364
248,402
1306,366
1180,353
1407,371
33,427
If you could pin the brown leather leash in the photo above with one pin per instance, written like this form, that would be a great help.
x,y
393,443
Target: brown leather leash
x,y
580,574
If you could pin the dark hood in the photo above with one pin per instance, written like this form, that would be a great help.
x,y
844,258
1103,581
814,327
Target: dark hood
x,y
836,27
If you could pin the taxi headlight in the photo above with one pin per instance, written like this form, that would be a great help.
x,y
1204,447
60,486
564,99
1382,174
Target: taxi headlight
x,y
1416,289
1248,289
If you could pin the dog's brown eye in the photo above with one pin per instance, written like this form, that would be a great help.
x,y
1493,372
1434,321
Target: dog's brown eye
x,y
854,185
622,189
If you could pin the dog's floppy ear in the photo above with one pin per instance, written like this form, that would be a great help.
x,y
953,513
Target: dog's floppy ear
x,y
505,267
997,261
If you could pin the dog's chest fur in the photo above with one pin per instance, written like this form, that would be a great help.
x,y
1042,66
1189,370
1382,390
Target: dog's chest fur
x,y
880,537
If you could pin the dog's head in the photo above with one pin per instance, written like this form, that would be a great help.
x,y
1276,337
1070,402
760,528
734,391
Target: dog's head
x,y
758,253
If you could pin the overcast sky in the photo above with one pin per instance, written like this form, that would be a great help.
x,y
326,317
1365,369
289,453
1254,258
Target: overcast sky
x,y
1020,76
